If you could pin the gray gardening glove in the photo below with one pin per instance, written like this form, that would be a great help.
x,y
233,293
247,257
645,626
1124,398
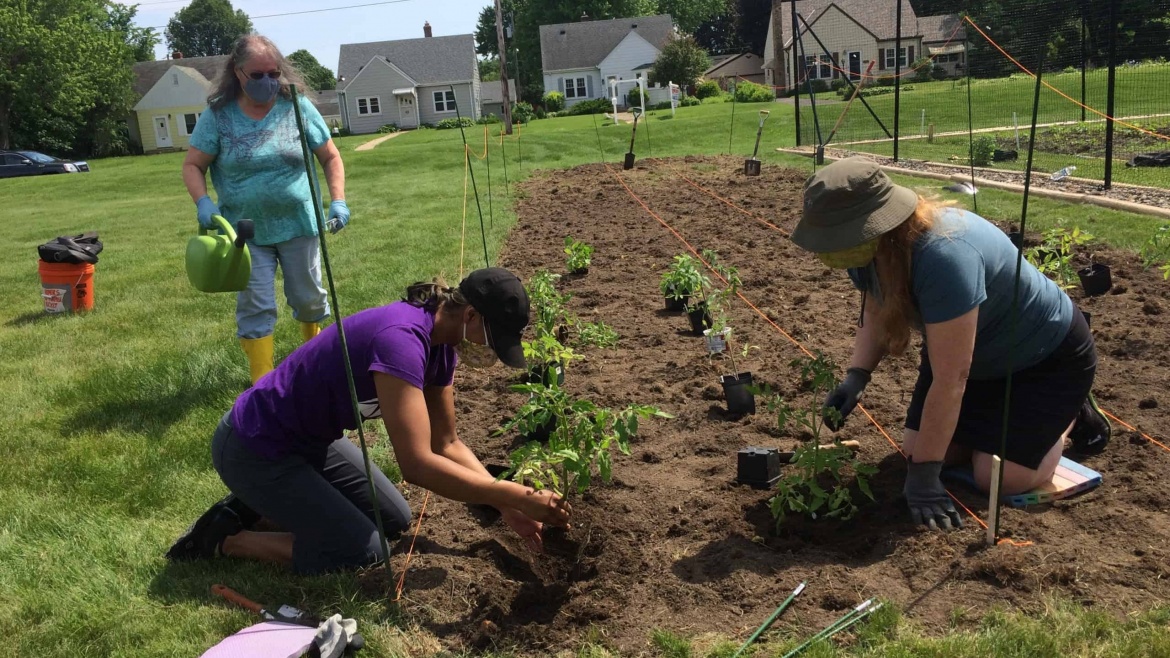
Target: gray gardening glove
x,y
844,398
333,636
928,500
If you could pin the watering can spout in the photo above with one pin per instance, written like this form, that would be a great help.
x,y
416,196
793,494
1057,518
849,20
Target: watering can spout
x,y
218,259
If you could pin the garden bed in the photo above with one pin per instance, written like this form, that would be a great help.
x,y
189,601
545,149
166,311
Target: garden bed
x,y
673,542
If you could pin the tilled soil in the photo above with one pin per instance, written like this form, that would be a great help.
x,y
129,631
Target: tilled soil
x,y
673,542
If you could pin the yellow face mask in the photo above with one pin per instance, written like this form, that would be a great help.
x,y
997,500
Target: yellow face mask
x,y
858,256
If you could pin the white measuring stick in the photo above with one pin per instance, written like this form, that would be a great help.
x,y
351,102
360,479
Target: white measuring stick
x,y
993,504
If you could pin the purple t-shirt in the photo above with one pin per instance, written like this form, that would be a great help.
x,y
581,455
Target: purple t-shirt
x,y
303,405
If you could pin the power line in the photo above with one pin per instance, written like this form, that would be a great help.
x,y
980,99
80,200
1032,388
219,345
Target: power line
x,y
312,11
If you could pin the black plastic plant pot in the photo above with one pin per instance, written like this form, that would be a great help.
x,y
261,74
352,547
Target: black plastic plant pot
x,y
676,305
629,163
700,318
542,433
545,375
580,272
758,468
1095,279
737,392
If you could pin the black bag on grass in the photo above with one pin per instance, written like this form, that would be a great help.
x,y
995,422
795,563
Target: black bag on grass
x,y
1160,159
1004,155
75,249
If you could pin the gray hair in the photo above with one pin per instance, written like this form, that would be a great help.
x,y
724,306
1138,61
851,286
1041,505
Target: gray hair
x,y
227,86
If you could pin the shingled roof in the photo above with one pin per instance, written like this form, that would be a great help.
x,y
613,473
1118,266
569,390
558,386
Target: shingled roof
x,y
428,60
878,19
147,74
585,44
948,27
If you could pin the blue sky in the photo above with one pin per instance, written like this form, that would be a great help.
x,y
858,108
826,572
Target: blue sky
x,y
323,33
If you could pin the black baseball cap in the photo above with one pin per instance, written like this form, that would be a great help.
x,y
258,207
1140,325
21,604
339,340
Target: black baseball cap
x,y
500,297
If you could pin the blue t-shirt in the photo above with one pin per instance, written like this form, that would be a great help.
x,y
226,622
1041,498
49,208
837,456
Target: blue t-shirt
x,y
259,170
303,405
965,262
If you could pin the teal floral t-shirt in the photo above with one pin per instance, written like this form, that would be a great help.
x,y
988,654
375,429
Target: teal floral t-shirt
x,y
259,171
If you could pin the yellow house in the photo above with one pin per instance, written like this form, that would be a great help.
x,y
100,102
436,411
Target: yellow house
x,y
172,94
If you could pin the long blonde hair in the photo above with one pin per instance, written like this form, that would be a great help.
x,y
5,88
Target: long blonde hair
x,y
227,86
893,262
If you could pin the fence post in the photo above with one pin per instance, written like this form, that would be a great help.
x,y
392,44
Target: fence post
x,y
1108,183
795,69
897,74
1084,57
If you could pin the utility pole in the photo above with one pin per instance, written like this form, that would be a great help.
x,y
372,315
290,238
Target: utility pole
x,y
501,48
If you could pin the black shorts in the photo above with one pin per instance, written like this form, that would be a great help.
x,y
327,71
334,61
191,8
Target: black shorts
x,y
1045,399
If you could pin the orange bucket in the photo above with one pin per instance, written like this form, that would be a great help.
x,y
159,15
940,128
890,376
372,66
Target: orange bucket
x,y
66,287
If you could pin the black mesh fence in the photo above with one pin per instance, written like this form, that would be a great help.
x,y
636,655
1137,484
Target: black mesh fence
x,y
960,81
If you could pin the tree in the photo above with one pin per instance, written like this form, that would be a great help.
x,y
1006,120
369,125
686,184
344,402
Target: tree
x,y
681,61
489,69
688,15
316,75
140,40
65,76
206,27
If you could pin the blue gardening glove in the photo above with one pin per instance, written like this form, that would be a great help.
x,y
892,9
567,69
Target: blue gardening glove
x,y
205,208
928,500
338,216
844,398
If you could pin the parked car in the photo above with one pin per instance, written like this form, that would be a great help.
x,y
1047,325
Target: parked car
x,y
32,163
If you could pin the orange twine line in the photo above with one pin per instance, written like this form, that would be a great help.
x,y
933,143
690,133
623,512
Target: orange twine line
x,y
1134,429
410,553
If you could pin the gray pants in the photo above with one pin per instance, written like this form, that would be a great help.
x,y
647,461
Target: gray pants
x,y
326,507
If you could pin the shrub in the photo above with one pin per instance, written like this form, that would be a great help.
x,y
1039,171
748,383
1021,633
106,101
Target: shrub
x,y
839,84
448,124
664,105
635,97
388,128
938,72
750,92
885,81
922,68
818,86
982,150
540,113
554,101
522,112
594,106
725,97
707,89
689,101
489,119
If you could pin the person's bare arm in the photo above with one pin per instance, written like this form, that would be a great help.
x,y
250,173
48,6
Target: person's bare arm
x,y
444,440
195,172
868,349
404,412
950,346
330,159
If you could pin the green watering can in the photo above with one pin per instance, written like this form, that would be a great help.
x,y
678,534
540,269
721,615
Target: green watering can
x,y
220,263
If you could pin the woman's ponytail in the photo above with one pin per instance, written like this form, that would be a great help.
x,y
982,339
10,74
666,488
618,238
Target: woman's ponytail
x,y
432,295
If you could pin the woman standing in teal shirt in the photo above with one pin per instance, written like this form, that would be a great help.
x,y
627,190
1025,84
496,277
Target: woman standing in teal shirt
x,y
248,138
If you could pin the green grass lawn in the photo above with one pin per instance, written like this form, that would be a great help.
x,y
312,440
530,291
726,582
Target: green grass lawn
x,y
108,417
1139,92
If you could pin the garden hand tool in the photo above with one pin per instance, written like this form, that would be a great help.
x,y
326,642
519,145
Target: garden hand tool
x,y
331,632
220,263
929,502
629,164
751,166
843,399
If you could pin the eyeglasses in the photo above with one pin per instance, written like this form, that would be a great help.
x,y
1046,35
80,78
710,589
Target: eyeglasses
x,y
259,75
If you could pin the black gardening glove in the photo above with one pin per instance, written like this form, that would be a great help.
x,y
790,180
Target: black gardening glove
x,y
928,500
844,398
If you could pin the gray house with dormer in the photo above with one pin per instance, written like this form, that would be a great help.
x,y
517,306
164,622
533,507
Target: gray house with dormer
x,y
408,83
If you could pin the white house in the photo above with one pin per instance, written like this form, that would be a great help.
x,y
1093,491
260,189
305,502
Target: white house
x,y
408,82
578,59
492,97
856,33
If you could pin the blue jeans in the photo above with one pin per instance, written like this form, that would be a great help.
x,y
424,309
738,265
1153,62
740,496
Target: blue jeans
x,y
301,263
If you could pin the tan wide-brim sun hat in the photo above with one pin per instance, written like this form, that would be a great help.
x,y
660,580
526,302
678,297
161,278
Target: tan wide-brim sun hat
x,y
848,203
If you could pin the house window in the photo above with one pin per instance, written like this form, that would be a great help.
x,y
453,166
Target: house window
x,y
890,57
369,105
189,121
444,101
175,78
818,67
575,88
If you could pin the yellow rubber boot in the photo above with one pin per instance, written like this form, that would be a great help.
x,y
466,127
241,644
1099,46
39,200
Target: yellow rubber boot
x,y
310,329
259,351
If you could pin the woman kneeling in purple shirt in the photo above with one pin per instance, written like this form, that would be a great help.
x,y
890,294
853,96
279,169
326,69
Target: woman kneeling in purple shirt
x,y
278,450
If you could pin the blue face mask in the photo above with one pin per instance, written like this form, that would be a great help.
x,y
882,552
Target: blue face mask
x,y
262,90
